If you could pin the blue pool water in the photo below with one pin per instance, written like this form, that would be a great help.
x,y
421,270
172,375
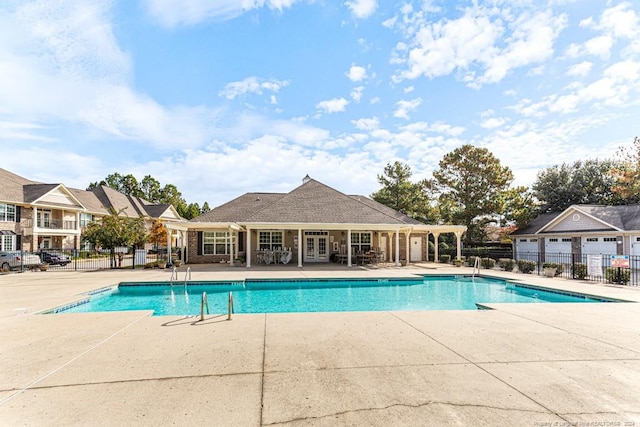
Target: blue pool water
x,y
273,296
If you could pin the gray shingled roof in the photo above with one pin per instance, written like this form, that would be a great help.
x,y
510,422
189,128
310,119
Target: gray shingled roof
x,y
11,189
90,201
626,218
240,208
33,192
386,209
312,203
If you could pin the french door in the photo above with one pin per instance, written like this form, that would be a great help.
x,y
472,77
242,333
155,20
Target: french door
x,y
316,246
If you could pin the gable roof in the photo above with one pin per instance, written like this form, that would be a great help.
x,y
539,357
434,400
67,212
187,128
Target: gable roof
x,y
19,190
622,218
310,203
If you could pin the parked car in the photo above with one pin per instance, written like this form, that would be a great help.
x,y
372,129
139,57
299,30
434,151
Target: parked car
x,y
16,259
54,259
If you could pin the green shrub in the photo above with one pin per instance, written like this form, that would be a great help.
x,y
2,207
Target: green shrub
x,y
559,267
611,274
526,266
445,259
506,264
487,263
471,261
580,270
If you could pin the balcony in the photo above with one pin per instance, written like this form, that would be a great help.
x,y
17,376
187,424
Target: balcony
x,y
51,226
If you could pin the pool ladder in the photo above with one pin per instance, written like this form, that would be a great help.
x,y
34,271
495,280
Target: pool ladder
x,y
205,304
174,275
476,265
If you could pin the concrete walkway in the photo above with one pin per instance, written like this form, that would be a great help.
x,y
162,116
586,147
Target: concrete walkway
x,y
519,364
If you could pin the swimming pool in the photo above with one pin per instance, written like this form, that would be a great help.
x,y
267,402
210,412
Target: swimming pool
x,y
316,295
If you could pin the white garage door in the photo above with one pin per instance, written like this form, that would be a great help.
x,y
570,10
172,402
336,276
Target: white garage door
x,y
599,245
527,249
635,245
557,250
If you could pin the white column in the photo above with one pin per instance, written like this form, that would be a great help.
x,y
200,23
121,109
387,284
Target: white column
x,y
458,244
349,248
248,247
407,236
168,246
397,248
231,256
299,247
34,223
436,236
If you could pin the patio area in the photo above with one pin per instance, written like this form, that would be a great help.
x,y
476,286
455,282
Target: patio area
x,y
519,364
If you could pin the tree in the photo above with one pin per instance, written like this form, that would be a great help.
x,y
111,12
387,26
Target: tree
x,y
192,211
205,208
115,230
157,234
519,207
149,189
589,182
626,174
472,185
399,193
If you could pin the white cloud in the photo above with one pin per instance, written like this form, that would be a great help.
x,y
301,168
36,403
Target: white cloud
x,y
405,107
334,105
598,46
356,73
356,93
580,70
367,124
619,21
493,122
172,13
481,38
619,85
66,66
362,9
251,85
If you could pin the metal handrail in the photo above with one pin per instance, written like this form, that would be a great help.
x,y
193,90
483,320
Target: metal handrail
x,y
205,301
230,306
476,265
174,273
186,274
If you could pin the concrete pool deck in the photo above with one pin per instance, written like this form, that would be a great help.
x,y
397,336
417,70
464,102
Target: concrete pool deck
x,y
519,364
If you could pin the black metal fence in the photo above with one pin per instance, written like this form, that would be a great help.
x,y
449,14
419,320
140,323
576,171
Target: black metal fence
x,y
596,268
75,259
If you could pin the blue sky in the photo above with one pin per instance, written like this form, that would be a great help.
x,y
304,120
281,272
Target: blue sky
x,y
229,96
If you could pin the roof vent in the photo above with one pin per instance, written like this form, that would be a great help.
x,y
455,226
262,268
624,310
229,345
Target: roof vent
x,y
306,179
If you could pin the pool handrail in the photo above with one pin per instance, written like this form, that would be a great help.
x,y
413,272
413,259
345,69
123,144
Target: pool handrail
x,y
174,273
203,303
476,265
186,274
230,306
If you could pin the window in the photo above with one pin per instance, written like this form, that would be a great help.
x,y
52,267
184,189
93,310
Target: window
x,y
361,241
609,239
592,239
566,239
85,218
8,243
7,212
270,240
533,240
523,240
553,240
216,243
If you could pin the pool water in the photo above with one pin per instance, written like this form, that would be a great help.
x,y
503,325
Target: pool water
x,y
275,296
